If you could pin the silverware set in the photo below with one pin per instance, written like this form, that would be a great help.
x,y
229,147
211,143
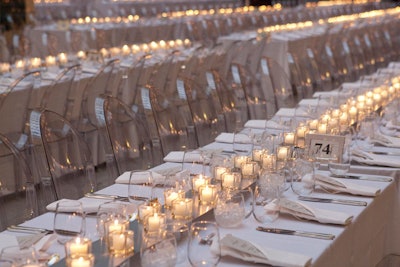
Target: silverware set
x,y
295,233
334,201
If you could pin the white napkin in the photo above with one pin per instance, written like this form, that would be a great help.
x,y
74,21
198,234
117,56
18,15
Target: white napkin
x,y
340,185
7,240
298,209
251,252
229,137
89,205
125,177
264,124
375,160
291,112
392,125
386,140
180,156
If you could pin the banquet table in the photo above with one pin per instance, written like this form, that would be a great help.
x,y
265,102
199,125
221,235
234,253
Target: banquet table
x,y
371,235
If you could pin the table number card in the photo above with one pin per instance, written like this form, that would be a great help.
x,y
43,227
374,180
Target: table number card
x,y
235,73
180,86
325,146
146,98
210,80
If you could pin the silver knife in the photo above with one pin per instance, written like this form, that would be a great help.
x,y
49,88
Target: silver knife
x,y
334,201
296,233
366,178
384,153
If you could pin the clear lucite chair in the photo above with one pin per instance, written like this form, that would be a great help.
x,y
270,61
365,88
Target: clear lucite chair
x,y
60,89
105,81
172,117
205,108
68,156
129,136
283,94
18,195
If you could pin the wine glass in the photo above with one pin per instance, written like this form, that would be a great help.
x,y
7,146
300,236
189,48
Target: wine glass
x,y
193,161
158,250
339,165
69,220
229,210
140,182
303,176
243,143
109,211
16,256
267,192
204,246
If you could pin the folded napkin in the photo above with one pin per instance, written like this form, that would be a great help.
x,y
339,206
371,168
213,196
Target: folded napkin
x,y
386,140
138,179
251,252
291,112
182,156
300,210
89,205
264,124
7,240
26,241
340,185
392,125
230,137
374,159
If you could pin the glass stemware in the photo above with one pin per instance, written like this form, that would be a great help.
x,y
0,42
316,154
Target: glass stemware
x,y
204,246
16,256
267,192
140,182
158,250
243,143
69,220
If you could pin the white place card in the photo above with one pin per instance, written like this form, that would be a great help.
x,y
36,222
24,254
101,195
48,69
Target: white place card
x,y
146,98
325,146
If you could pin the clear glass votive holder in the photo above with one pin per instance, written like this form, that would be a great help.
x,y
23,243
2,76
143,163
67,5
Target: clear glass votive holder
x,y
182,209
200,180
208,194
78,246
116,225
80,261
148,209
250,170
268,162
257,154
155,222
289,138
239,160
121,242
218,171
231,180
170,195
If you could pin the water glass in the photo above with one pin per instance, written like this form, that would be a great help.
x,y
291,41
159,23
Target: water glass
x,y
303,176
69,220
108,211
243,143
267,193
204,246
140,182
158,250
19,256
230,209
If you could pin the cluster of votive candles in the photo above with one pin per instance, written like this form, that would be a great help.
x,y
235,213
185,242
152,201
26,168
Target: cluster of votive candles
x,y
125,50
78,252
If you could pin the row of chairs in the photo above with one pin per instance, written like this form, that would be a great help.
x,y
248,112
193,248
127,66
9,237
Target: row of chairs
x,y
54,145
180,103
